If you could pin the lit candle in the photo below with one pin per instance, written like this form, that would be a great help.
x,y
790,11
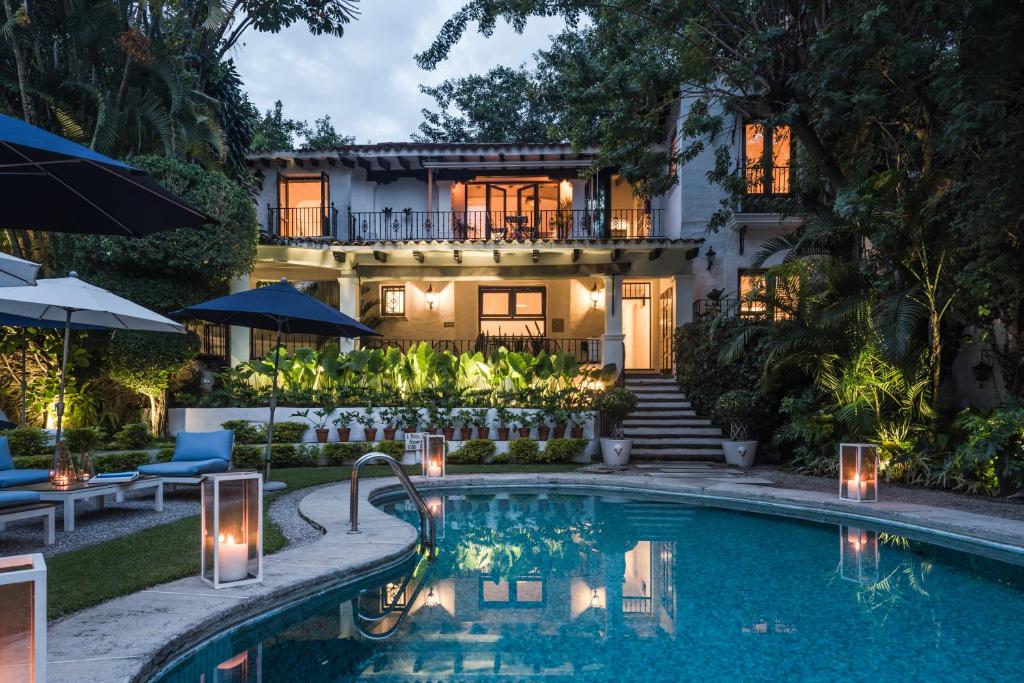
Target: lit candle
x,y
434,469
233,559
857,488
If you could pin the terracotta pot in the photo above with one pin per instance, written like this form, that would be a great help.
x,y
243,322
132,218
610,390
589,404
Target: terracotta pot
x,y
559,432
344,433
389,433
482,432
322,434
449,433
543,433
577,432
371,434
502,433
524,432
466,433
431,430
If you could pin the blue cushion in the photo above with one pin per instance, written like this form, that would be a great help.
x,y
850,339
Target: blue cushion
x,y
13,498
22,477
185,468
204,445
6,462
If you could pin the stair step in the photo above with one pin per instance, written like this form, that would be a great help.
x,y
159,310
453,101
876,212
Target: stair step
x,y
676,442
711,455
659,396
665,421
663,412
686,435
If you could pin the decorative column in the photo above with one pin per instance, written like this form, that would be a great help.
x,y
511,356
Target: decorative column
x,y
684,299
348,303
612,341
238,337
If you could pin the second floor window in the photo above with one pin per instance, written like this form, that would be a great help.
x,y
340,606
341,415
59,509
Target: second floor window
x,y
763,294
302,205
767,152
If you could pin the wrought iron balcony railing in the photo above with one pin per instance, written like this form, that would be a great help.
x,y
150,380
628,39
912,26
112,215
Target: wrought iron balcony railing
x,y
773,180
302,221
547,225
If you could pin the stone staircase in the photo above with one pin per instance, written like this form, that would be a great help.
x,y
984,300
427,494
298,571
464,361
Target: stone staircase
x,y
665,427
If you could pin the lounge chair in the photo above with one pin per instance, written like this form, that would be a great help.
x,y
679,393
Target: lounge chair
x,y
9,476
16,505
195,454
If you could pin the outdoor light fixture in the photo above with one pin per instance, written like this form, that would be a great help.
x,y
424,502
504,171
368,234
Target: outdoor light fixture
x,y
232,529
62,467
595,296
595,600
433,599
23,618
710,255
433,456
858,472
858,554
430,296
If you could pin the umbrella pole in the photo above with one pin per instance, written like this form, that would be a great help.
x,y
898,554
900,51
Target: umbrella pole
x,y
63,374
273,404
24,378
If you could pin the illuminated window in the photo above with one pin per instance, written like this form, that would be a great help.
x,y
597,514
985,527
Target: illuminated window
x,y
516,311
525,591
767,155
761,293
392,301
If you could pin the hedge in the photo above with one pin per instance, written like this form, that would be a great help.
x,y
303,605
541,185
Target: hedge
x,y
342,453
33,462
120,462
520,451
289,432
473,452
134,435
26,441
246,431
562,450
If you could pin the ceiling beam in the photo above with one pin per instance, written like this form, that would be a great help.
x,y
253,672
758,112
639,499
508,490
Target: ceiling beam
x,y
655,254
384,163
535,256
380,256
457,255
363,164
692,253
616,254
497,256
404,163
418,255
576,255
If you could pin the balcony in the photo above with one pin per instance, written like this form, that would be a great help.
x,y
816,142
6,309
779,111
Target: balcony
x,y
303,221
765,187
459,226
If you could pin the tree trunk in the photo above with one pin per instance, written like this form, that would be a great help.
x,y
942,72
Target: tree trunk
x,y
27,111
157,413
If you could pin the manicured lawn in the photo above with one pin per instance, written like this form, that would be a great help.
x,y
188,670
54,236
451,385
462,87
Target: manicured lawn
x,y
86,577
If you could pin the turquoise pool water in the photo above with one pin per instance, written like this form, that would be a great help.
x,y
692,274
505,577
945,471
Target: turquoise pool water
x,y
572,587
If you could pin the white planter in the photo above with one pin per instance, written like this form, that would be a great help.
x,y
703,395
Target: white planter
x,y
616,451
740,453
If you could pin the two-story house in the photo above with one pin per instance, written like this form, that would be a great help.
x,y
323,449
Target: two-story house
x,y
471,246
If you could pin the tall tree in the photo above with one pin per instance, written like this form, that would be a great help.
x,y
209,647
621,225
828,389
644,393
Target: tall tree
x,y
274,131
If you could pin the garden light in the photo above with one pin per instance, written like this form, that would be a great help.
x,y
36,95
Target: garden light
x,y
232,529
858,472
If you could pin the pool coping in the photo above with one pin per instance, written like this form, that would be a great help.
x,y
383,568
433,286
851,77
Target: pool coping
x,y
133,637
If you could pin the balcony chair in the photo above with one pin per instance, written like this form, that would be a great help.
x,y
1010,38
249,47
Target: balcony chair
x,y
9,476
195,454
18,505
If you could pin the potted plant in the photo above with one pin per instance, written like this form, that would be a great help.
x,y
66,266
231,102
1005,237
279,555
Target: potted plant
x,y
343,424
445,419
615,406
434,419
579,419
319,421
504,417
367,419
480,422
387,417
737,409
523,423
560,417
539,419
411,418
464,420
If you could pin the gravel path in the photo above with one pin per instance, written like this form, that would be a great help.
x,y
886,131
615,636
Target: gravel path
x,y
94,526
997,507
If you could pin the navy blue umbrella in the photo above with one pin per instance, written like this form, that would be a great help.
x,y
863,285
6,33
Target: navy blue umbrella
x,y
52,184
278,307
7,320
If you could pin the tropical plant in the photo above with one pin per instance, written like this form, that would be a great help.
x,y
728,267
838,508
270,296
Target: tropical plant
x,y
320,417
367,418
504,416
736,408
615,406
994,446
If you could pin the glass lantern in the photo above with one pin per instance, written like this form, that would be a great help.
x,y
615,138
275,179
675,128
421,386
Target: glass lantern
x,y
858,472
23,618
435,505
858,554
433,456
232,531
62,468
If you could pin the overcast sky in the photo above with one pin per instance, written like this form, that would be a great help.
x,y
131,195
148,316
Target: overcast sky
x,y
367,80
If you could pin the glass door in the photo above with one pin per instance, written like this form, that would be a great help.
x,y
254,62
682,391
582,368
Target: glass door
x,y
636,324
666,322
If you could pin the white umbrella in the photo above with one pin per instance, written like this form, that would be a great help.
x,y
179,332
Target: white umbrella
x,y
15,272
72,301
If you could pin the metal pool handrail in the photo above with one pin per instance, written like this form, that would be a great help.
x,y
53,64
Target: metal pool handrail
x,y
426,519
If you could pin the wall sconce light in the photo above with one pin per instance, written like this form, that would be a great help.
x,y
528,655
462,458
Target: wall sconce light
x,y
595,296
710,255
595,600
433,599
858,472
430,296
232,529
23,618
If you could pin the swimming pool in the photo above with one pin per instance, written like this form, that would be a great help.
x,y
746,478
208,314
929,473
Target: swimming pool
x,y
550,586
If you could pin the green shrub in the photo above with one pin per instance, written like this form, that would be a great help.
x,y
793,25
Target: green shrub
x,y
563,450
288,432
26,441
501,459
994,444
473,452
737,409
246,431
342,453
82,439
120,462
247,457
33,462
523,451
393,448
615,406
165,455
134,435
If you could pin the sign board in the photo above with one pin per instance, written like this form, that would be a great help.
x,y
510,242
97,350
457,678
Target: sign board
x,y
414,442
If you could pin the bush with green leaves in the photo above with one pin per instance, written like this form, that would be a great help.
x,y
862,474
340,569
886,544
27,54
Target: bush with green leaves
x,y
246,431
165,455
615,406
247,457
134,435
563,450
993,448
33,462
289,432
338,453
737,409
472,452
26,441
83,439
120,462
393,448
522,451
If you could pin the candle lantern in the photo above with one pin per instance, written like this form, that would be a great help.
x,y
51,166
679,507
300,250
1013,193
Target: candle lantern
x,y
858,554
858,472
232,533
433,455
435,504
62,468
23,618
